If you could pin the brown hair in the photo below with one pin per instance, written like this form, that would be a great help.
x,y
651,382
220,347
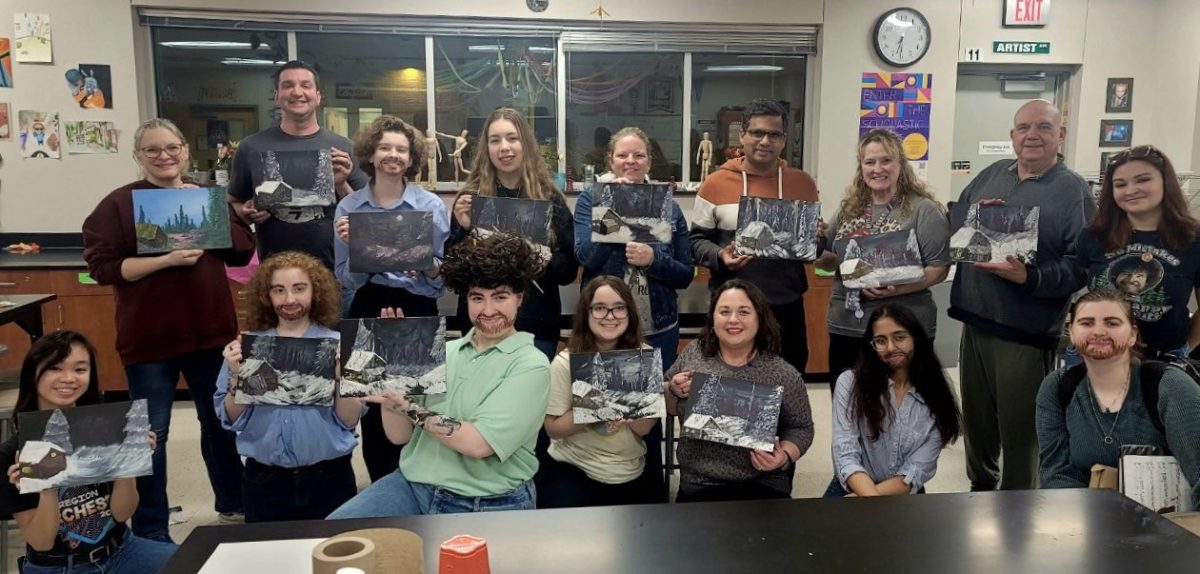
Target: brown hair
x,y
535,179
500,259
623,133
909,188
326,293
1177,227
768,337
1110,296
368,137
582,339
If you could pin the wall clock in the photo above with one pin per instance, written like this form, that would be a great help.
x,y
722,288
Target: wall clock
x,y
537,5
901,37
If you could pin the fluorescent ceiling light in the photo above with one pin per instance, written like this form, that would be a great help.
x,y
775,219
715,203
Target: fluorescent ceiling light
x,y
212,45
540,49
744,68
486,48
773,56
251,62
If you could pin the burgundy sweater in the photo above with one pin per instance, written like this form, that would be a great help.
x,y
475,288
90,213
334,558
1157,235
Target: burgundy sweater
x,y
172,311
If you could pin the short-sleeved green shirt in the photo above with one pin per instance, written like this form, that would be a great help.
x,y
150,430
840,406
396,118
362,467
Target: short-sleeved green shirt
x,y
503,393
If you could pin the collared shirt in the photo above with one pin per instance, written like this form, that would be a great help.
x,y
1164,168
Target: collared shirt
x,y
908,444
503,392
287,436
414,199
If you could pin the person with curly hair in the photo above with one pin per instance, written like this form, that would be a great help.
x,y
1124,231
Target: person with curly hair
x,y
471,449
297,457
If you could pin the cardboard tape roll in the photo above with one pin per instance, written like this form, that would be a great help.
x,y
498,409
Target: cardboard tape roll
x,y
343,552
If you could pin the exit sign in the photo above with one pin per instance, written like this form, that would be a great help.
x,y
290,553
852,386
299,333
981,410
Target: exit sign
x,y
1022,13
1020,47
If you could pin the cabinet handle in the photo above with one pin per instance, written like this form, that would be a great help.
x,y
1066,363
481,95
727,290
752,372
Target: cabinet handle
x,y
61,320
7,284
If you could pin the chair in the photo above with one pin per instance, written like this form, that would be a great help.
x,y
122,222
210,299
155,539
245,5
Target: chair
x,y
670,464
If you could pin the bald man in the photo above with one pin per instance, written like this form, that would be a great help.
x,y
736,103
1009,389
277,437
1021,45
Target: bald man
x,y
1013,313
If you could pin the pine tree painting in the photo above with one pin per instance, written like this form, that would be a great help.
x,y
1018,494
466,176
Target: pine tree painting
x,y
58,432
181,218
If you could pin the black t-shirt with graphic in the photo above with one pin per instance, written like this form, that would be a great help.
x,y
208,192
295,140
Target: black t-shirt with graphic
x,y
85,511
1158,282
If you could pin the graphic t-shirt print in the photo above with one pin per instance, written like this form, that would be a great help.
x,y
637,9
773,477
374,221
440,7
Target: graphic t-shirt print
x,y
86,515
1137,271
865,225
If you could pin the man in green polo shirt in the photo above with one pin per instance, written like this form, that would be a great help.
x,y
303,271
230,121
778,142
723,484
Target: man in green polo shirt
x,y
471,449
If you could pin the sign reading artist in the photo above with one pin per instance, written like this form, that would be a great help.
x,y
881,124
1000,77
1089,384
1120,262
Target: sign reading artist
x,y
1025,13
1020,47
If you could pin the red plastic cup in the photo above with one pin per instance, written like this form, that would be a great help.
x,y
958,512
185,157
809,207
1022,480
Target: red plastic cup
x,y
464,554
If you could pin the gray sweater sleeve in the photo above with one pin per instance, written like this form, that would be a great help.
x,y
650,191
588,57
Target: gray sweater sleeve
x,y
1178,405
795,415
1054,440
1059,277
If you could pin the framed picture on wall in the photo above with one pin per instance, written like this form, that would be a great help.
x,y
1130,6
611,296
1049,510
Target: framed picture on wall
x,y
1118,98
1105,156
1116,133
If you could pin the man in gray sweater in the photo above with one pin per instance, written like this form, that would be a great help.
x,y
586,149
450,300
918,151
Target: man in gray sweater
x,y
1013,313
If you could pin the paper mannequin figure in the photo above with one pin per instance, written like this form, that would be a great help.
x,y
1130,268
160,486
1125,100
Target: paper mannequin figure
x,y
433,156
460,145
704,156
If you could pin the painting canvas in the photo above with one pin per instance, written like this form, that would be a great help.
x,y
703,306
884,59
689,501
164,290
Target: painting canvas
x,y
405,356
625,212
1116,133
91,85
873,261
993,232
615,385
5,124
391,241
286,371
32,37
309,179
777,228
527,218
181,218
83,445
39,134
90,137
6,79
734,412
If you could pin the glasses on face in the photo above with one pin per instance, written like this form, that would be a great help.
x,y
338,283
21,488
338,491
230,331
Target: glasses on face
x,y
151,152
898,339
1146,153
601,312
765,134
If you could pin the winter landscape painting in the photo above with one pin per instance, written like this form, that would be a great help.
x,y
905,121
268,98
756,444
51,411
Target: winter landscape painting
x,y
526,218
391,241
83,445
777,228
615,385
873,261
993,232
624,212
286,371
405,356
180,218
734,412
295,179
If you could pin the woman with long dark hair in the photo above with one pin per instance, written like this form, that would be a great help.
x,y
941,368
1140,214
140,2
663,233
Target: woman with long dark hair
x,y
894,413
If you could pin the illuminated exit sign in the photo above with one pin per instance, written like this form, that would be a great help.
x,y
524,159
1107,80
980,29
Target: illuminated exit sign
x,y
1018,13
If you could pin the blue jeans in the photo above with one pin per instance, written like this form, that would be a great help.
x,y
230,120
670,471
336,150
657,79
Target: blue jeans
x,y
394,495
156,382
135,556
667,343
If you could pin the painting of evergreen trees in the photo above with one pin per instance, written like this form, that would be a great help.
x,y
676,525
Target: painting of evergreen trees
x,y
180,218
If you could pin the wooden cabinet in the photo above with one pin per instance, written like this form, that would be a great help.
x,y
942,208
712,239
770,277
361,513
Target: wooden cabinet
x,y
816,312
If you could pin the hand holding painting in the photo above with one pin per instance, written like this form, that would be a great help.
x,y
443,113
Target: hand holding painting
x,y
183,257
732,259
680,385
254,215
768,461
342,227
462,210
639,254
342,166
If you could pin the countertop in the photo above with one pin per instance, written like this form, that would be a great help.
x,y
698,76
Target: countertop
x,y
47,258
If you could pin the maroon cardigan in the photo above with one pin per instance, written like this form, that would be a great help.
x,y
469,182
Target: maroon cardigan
x,y
170,312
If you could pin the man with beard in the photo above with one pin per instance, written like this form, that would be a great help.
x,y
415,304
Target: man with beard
x,y
471,449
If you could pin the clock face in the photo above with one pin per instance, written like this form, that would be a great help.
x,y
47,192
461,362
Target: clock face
x,y
537,5
902,36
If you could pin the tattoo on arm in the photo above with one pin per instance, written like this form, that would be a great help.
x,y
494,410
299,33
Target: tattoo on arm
x,y
444,425
431,421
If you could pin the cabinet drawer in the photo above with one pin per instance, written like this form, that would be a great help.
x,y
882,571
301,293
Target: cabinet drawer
x,y
65,283
24,281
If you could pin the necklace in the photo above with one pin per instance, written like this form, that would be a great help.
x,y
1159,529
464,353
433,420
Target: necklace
x,y
1096,406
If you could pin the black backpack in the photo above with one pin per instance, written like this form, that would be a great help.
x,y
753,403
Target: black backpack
x,y
1150,372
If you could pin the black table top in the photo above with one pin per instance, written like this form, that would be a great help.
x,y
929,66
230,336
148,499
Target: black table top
x,y
1056,531
22,304
47,258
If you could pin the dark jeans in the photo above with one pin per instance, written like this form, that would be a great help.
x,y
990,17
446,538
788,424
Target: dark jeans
x,y
835,489
794,347
565,485
307,493
749,490
156,382
383,457
547,347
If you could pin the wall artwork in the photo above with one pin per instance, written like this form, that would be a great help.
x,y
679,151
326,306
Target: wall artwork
x,y
1116,133
992,233
39,134
391,241
777,228
83,445
32,37
286,371
901,102
91,85
404,356
527,218
625,212
1105,157
1118,97
5,122
6,79
301,178
90,137
733,411
180,218
874,261
615,385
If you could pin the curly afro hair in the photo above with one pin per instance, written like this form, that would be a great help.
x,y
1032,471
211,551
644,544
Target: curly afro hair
x,y
492,261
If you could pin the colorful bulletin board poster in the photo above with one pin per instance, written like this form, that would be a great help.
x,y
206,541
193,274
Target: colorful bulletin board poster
x,y
899,101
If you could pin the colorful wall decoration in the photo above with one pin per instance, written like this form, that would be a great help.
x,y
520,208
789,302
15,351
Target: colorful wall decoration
x,y
901,102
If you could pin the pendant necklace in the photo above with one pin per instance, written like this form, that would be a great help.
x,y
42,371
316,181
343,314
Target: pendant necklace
x,y
1108,436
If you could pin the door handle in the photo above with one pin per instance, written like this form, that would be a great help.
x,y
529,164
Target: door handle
x,y
7,284
61,320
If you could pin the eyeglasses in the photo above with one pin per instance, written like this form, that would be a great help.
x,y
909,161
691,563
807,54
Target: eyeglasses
x,y
765,134
898,339
172,150
600,311
1147,153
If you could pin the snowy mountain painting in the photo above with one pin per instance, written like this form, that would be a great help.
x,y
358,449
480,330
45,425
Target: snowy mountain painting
x,y
993,232
615,385
294,179
777,228
528,219
733,411
83,445
286,371
405,356
391,241
873,261
625,212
